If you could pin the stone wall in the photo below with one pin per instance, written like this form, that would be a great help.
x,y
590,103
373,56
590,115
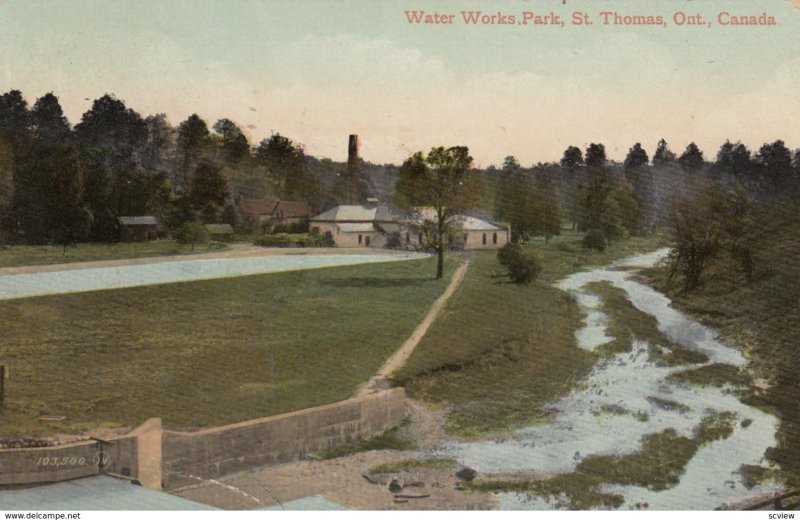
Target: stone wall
x,y
190,457
166,459
48,464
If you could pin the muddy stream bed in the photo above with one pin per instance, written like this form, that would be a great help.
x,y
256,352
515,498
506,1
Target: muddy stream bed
x,y
635,387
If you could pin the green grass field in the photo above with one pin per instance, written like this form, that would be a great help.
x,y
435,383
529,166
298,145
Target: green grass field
x,y
207,353
499,352
13,256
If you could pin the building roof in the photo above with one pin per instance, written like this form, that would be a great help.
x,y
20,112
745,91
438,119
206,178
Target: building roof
x,y
290,209
465,222
383,213
476,224
348,214
356,227
219,229
260,206
138,221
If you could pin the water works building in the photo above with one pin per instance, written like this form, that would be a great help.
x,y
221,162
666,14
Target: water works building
x,y
379,225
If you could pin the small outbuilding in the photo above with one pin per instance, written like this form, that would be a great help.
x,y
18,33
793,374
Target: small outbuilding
x,y
138,228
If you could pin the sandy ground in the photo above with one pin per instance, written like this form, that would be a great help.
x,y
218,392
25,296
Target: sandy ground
x,y
347,481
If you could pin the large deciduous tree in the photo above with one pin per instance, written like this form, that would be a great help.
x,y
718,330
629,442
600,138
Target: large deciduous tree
x,y
208,191
443,182
110,138
286,165
573,157
515,200
233,141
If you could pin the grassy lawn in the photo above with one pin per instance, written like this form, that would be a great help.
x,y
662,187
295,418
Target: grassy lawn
x,y
499,352
207,353
12,256
762,317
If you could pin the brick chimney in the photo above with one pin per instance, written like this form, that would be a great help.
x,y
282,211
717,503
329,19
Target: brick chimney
x,y
352,168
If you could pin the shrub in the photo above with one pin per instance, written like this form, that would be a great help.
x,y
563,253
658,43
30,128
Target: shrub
x,y
295,227
594,239
523,269
393,240
191,233
327,239
507,252
289,240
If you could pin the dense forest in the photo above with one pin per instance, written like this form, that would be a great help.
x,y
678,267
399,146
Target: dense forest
x,y
63,184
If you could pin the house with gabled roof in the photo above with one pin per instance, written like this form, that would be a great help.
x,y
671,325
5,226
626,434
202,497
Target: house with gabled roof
x,y
276,211
374,225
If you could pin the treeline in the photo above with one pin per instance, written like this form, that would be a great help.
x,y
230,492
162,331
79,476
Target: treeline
x,y
609,200
63,184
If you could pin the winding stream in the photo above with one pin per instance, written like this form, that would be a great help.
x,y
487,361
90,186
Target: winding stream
x,y
630,381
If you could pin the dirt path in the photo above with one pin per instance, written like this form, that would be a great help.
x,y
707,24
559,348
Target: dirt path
x,y
377,382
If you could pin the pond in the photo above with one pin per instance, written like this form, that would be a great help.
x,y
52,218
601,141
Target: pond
x,y
117,277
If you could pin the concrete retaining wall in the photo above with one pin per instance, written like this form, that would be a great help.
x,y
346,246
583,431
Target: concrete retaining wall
x,y
210,453
49,464
163,458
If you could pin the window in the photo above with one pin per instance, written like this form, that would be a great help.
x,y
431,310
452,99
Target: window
x,y
484,239
408,238
494,238
366,241
315,230
420,238
360,238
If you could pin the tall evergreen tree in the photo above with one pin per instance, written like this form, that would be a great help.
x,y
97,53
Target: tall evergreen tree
x,y
733,159
775,161
596,155
692,158
193,140
547,207
663,155
636,158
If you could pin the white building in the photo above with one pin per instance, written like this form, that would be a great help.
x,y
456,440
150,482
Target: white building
x,y
379,225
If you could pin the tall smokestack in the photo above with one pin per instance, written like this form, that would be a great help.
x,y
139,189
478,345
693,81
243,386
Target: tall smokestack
x,y
352,167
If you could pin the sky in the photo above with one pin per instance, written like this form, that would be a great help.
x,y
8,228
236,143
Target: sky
x,y
319,70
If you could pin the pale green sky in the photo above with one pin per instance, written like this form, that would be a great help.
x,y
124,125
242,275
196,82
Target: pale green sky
x,y
318,70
